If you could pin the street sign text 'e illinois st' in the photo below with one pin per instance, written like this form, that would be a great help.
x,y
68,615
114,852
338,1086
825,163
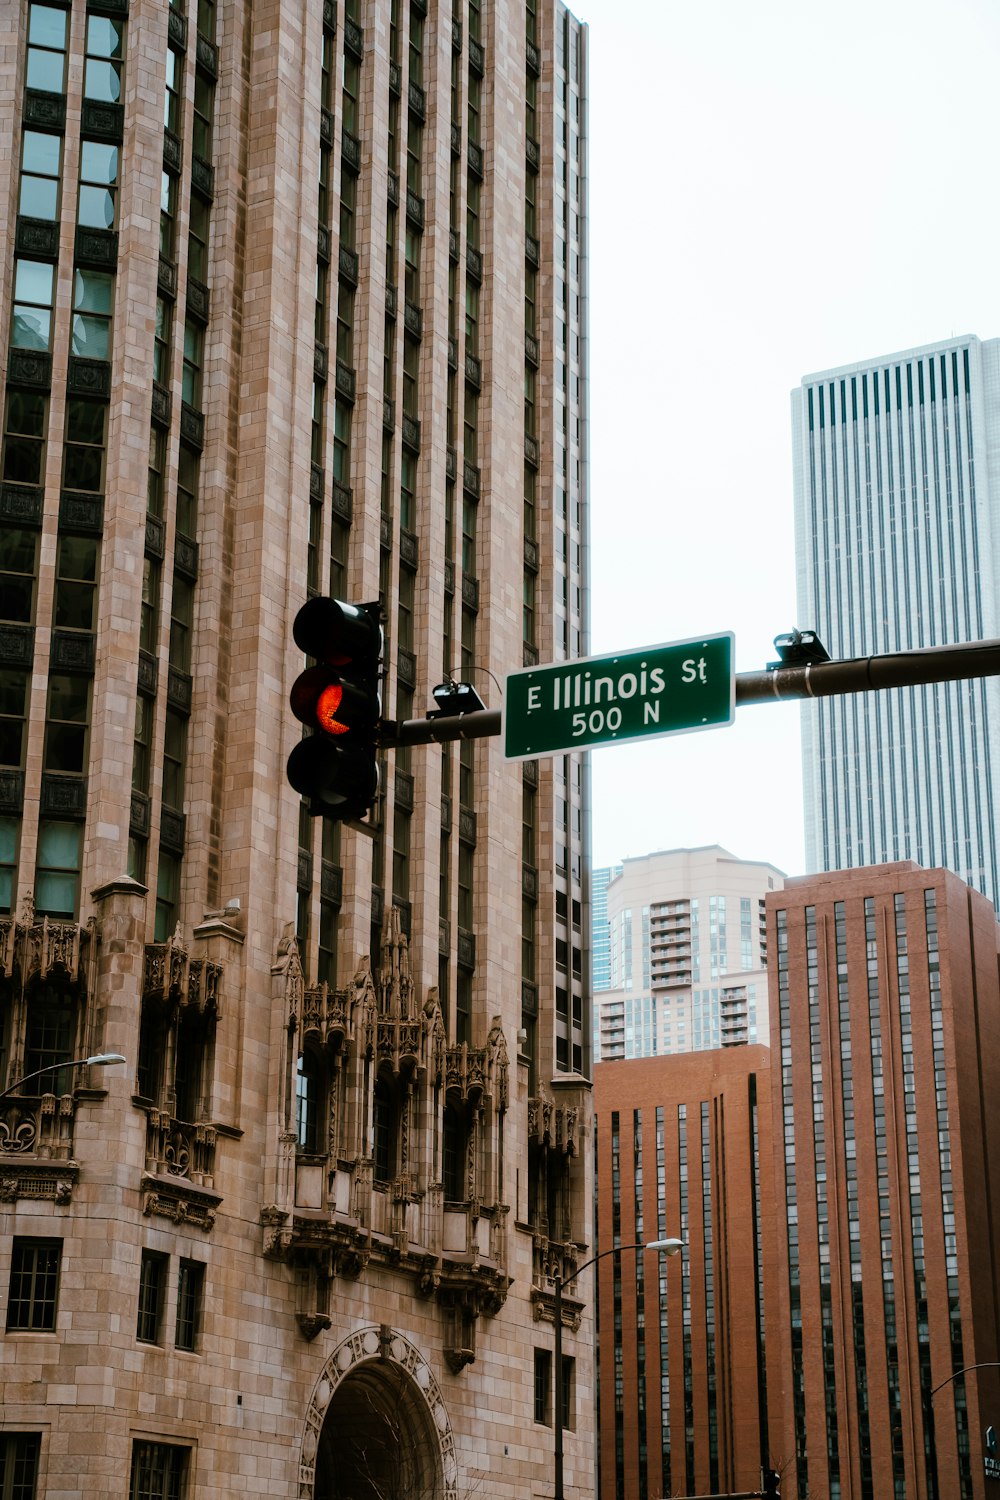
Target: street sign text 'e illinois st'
x,y
601,700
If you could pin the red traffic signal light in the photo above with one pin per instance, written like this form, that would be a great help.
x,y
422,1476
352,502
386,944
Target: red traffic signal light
x,y
338,699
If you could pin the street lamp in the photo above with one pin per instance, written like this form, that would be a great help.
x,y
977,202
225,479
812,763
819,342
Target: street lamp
x,y
668,1247
99,1060
986,1364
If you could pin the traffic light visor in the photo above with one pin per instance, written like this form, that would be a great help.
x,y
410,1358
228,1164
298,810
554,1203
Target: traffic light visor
x,y
339,634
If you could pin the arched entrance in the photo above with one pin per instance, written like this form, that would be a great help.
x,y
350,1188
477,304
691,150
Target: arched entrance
x,y
377,1428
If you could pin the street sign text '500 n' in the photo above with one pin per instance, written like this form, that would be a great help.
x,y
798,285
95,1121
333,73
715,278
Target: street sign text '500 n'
x,y
601,700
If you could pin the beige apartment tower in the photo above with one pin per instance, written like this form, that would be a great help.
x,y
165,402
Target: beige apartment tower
x,y
680,953
293,302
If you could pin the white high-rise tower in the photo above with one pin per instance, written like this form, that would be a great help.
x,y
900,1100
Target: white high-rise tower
x,y
897,478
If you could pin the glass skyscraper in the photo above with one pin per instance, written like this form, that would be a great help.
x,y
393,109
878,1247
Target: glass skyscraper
x,y
896,484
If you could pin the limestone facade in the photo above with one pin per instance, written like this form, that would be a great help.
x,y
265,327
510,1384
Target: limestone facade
x,y
293,302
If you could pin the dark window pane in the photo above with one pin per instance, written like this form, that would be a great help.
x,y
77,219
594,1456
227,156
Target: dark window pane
x,y
85,422
83,469
22,460
77,558
75,606
26,413
34,1283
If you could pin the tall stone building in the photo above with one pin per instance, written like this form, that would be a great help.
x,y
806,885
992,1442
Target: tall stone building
x,y
896,490
293,302
886,1019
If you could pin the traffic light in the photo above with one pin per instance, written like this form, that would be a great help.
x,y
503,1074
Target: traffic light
x,y
772,1484
338,699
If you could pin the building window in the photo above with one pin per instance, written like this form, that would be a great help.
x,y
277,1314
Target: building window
x,y
168,213
194,345
97,203
34,1286
407,490
168,895
93,304
41,157
411,281
24,438
206,20
67,725
385,1120
352,90
309,1078
105,52
172,93
18,565
190,1289
472,214
187,492
76,583
568,1391
201,136
8,856
155,471
455,1144
348,210
83,455
141,744
57,872
181,622
152,1291
47,49
31,322
161,341
18,1465
174,756
543,1386
159,1471
49,1040
198,231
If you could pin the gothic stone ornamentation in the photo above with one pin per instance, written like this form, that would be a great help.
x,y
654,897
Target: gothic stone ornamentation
x,y
44,1181
180,1206
363,1345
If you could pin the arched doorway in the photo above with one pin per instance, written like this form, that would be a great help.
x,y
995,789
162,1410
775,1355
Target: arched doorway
x,y
377,1428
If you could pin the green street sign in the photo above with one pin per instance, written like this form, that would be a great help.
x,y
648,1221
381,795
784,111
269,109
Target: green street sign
x,y
601,700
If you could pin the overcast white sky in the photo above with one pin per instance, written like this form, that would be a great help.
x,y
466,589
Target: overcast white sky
x,y
774,189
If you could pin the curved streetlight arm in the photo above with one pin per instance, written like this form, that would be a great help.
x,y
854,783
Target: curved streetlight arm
x,y
986,1364
99,1060
669,1247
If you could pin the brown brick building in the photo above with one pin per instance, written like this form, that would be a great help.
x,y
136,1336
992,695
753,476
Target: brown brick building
x,y
683,1150
885,1014
292,302
838,1198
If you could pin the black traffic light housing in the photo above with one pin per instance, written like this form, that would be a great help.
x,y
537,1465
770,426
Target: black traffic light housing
x,y
772,1484
338,699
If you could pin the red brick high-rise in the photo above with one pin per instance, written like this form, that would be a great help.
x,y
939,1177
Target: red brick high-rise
x,y
683,1149
885,1017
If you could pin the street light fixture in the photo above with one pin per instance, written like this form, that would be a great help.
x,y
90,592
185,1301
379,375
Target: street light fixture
x,y
99,1060
666,1247
986,1364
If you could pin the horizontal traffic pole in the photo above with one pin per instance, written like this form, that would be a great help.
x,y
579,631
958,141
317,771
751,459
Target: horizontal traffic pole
x,y
863,674
825,679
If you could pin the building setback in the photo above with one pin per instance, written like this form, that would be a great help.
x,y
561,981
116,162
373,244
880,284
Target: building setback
x,y
293,302
885,1014
683,1150
896,487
